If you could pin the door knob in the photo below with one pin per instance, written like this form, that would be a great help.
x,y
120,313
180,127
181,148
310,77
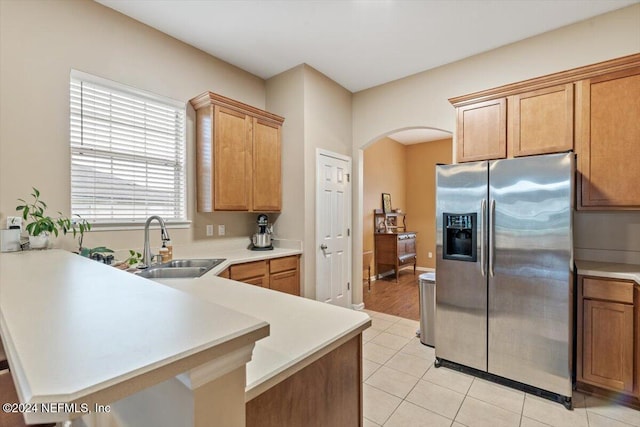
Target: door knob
x,y
323,246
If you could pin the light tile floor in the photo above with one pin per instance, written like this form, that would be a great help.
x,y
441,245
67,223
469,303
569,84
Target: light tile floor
x,y
403,389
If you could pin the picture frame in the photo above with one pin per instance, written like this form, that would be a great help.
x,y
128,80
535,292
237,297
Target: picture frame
x,y
386,203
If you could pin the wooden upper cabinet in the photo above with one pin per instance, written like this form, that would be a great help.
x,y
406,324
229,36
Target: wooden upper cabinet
x,y
482,131
541,121
238,156
232,160
267,181
608,140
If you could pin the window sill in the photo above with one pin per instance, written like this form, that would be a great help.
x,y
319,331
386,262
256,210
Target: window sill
x,y
101,226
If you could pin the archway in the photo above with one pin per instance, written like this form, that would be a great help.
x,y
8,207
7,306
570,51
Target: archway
x,y
399,161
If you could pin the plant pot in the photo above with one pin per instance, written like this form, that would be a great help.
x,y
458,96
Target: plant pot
x,y
41,241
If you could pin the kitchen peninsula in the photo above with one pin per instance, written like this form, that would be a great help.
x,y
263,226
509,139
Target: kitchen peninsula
x,y
79,332
106,336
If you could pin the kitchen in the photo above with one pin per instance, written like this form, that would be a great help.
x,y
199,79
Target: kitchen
x,y
36,70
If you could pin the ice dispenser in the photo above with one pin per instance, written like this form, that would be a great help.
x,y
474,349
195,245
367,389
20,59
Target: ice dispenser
x,y
459,240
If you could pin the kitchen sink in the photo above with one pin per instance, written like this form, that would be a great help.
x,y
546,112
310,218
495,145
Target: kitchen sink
x,y
180,268
206,263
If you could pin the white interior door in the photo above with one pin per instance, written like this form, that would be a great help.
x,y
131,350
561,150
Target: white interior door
x,y
333,225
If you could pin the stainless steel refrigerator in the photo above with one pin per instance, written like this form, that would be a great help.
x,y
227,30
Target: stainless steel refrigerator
x,y
504,294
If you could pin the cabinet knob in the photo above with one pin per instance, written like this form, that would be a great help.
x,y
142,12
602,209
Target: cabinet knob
x,y
323,246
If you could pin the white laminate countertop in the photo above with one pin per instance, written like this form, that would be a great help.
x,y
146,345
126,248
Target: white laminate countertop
x,y
609,269
72,327
300,328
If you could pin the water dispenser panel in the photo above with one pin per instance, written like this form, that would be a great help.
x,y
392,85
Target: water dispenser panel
x,y
460,236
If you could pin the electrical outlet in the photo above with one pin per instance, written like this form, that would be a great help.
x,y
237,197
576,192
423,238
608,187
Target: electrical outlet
x,y
210,230
430,254
221,230
13,221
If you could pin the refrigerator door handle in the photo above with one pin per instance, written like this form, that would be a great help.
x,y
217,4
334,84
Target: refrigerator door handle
x,y
492,236
483,263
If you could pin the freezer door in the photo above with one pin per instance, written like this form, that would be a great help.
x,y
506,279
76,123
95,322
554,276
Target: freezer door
x,y
530,270
461,283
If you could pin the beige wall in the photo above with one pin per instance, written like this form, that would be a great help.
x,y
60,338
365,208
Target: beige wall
x,y
40,42
384,172
327,126
421,100
318,113
407,172
421,160
285,97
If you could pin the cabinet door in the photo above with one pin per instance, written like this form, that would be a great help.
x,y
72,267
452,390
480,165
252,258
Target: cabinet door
x,y
541,121
608,140
482,131
232,160
267,185
286,281
607,359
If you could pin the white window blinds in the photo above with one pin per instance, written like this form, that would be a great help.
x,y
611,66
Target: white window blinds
x,y
127,153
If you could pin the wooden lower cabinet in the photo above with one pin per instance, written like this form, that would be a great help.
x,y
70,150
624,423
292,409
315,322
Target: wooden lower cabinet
x,y
608,321
607,358
328,392
279,274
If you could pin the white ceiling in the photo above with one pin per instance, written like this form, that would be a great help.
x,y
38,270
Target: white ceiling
x,y
418,135
357,43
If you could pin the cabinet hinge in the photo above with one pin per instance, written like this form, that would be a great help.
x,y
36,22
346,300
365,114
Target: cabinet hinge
x,y
348,286
348,177
348,232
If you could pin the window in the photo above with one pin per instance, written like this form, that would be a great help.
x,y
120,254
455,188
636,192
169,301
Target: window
x,y
127,153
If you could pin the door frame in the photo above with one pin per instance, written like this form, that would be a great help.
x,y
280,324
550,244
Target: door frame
x,y
348,218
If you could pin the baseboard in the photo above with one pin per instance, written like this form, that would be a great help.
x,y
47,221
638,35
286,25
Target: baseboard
x,y
407,267
358,307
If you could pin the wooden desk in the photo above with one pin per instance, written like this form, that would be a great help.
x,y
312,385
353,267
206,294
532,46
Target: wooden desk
x,y
394,250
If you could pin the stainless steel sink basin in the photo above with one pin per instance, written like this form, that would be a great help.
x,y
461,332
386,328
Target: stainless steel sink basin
x,y
173,273
180,268
206,263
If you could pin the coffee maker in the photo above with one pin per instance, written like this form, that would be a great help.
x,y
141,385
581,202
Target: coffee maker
x,y
262,239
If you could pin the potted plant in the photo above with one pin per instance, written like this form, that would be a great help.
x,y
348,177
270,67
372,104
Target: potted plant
x,y
39,226
75,226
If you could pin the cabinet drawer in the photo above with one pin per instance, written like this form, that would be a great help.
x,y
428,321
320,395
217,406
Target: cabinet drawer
x,y
257,281
284,264
609,290
247,270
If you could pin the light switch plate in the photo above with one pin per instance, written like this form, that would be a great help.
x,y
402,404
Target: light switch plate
x,y
221,230
210,230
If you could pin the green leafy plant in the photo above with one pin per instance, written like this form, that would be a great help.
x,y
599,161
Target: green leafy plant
x,y
134,257
87,252
34,214
75,226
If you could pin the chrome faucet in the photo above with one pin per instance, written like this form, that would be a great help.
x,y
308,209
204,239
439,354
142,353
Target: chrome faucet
x,y
147,256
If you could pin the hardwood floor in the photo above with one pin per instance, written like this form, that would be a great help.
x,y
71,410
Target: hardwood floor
x,y
399,299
